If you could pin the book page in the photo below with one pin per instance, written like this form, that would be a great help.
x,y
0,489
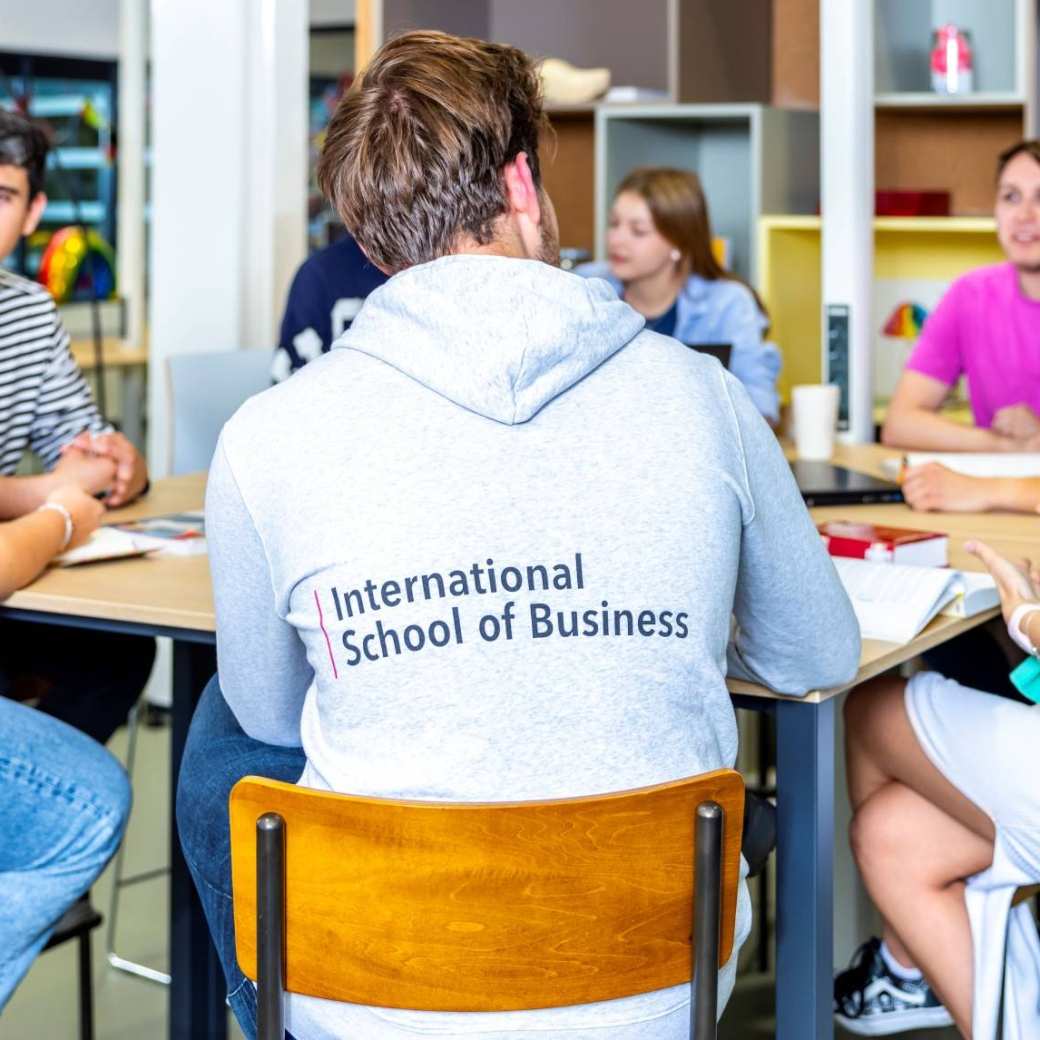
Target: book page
x,y
106,543
981,464
174,534
892,601
975,591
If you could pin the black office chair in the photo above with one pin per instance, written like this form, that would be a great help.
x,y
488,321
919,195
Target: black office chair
x,y
77,923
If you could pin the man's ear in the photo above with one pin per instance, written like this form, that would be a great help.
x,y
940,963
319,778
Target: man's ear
x,y
521,193
33,213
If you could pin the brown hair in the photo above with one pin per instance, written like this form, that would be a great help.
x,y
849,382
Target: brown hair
x,y
414,152
676,202
1029,147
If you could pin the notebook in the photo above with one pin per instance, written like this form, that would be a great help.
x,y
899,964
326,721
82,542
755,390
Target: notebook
x,y
824,484
893,601
177,534
974,463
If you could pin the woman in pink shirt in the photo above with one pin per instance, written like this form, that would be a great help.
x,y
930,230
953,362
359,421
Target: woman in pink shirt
x,y
986,328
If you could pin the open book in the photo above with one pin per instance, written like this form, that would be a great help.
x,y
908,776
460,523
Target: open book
x,y
974,463
177,534
893,601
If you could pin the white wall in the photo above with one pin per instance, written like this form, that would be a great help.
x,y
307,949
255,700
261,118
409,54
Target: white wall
x,y
85,28
228,180
332,12
90,28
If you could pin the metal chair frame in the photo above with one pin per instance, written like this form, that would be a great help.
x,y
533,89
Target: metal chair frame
x,y
77,923
119,881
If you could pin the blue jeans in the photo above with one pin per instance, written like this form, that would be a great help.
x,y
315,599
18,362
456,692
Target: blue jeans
x,y
64,801
217,755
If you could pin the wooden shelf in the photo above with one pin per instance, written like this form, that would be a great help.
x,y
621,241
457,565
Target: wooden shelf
x,y
924,101
568,156
929,225
937,225
944,148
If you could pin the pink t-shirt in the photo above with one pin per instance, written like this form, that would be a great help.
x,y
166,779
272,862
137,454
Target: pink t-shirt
x,y
986,329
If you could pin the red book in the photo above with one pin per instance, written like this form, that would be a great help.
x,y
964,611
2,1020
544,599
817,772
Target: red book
x,y
863,541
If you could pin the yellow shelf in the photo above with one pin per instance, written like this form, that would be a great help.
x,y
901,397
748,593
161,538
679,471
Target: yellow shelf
x,y
933,248
932,225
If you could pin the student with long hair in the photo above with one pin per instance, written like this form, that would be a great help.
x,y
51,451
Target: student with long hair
x,y
660,262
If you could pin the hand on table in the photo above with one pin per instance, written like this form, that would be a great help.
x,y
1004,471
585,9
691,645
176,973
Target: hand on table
x,y
85,510
131,473
935,488
87,471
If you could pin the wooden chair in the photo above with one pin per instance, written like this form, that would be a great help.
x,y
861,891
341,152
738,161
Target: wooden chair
x,y
485,907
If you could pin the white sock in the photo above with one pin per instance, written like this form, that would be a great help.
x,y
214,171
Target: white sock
x,y
897,969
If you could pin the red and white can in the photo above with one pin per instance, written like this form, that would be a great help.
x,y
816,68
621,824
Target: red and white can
x,y
952,61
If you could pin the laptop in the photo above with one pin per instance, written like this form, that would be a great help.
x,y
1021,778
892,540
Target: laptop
x,y
824,484
721,351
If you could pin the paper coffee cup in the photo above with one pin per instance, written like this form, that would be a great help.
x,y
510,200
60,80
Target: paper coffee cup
x,y
814,416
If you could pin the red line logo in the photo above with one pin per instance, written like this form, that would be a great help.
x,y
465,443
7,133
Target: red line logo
x,y
328,642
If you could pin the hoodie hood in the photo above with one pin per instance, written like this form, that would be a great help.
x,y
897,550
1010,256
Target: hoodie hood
x,y
498,336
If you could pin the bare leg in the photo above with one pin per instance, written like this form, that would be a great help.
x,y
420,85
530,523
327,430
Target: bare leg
x,y
881,746
915,838
913,858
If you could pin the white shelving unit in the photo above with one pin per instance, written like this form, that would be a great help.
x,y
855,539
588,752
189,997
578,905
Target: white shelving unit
x,y
1004,50
751,159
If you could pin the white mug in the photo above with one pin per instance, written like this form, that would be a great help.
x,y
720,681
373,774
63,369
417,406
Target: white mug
x,y
814,416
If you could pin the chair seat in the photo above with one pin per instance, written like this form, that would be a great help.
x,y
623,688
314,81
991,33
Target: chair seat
x,y
1024,893
79,918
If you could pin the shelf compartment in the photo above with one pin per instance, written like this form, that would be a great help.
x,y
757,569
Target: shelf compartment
x,y
905,248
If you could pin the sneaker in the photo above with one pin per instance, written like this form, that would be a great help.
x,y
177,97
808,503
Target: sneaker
x,y
870,1001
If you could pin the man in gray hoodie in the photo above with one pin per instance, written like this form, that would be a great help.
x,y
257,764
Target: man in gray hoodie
x,y
490,547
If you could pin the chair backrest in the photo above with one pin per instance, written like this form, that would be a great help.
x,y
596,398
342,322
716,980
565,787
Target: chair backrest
x,y
485,907
205,391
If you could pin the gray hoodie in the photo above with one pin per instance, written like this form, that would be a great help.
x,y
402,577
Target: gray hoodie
x,y
489,547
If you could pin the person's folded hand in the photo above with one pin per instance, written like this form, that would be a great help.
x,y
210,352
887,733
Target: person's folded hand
x,y
91,472
1019,423
131,473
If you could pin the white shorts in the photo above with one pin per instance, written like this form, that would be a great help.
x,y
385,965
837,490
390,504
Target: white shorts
x,y
988,747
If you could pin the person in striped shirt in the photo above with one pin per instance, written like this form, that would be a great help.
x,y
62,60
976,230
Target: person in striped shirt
x,y
87,679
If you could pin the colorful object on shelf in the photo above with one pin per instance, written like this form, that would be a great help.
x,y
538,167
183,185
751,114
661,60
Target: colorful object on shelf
x,y
952,62
92,117
905,321
902,203
78,266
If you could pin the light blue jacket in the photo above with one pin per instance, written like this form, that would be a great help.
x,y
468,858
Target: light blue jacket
x,y
722,311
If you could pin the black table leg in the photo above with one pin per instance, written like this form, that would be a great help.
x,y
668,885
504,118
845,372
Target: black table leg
x,y
197,1010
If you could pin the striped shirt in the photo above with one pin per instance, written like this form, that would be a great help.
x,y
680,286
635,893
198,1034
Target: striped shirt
x,y
44,399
